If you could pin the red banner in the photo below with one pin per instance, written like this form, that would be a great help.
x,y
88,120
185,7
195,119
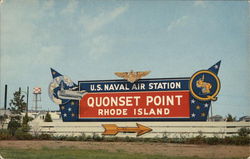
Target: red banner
x,y
165,104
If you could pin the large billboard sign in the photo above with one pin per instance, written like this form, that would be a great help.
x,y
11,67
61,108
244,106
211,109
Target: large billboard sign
x,y
158,99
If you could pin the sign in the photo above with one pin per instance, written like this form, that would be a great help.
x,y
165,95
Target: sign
x,y
149,98
113,129
158,99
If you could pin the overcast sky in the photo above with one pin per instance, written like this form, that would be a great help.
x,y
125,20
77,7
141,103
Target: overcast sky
x,y
92,39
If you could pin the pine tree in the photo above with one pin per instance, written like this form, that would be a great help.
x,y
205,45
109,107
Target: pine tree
x,y
25,125
48,117
17,104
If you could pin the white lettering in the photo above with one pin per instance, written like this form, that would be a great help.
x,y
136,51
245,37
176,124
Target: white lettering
x,y
90,102
112,112
149,100
179,99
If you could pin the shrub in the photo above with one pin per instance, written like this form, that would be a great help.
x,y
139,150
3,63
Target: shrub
x,y
44,136
25,119
4,134
111,139
243,132
213,140
146,139
197,140
61,137
155,139
3,119
13,126
25,128
179,140
89,138
96,137
127,139
47,117
164,137
71,138
21,135
227,140
240,140
82,137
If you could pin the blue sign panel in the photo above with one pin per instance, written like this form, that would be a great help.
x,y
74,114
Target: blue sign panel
x,y
141,85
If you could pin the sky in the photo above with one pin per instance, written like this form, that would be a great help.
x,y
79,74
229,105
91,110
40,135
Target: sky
x,y
92,39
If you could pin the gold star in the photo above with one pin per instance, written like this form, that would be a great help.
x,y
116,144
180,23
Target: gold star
x,y
62,107
72,103
198,107
54,73
203,114
72,114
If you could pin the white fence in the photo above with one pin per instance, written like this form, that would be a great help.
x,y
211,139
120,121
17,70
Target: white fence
x,y
170,129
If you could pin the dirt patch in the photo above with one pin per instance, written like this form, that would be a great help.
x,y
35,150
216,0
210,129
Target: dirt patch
x,y
204,151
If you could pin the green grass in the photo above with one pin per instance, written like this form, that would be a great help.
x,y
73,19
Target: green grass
x,y
73,153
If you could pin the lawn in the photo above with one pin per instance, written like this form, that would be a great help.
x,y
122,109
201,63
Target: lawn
x,y
74,153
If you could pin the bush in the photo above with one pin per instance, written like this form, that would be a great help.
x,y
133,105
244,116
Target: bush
x,y
44,136
128,139
96,137
111,139
240,140
243,132
25,119
13,126
61,137
71,138
89,138
47,117
4,134
146,139
155,139
3,119
25,128
164,137
21,135
197,140
213,140
82,137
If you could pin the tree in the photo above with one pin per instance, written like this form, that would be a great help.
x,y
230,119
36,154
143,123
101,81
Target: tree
x,y
230,118
26,120
17,104
48,117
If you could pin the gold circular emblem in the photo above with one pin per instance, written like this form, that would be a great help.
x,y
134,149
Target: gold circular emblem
x,y
204,85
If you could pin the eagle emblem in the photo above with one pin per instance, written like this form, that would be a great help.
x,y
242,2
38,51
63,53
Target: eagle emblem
x,y
132,76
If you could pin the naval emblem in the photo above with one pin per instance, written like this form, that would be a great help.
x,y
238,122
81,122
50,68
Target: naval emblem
x,y
132,76
204,85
